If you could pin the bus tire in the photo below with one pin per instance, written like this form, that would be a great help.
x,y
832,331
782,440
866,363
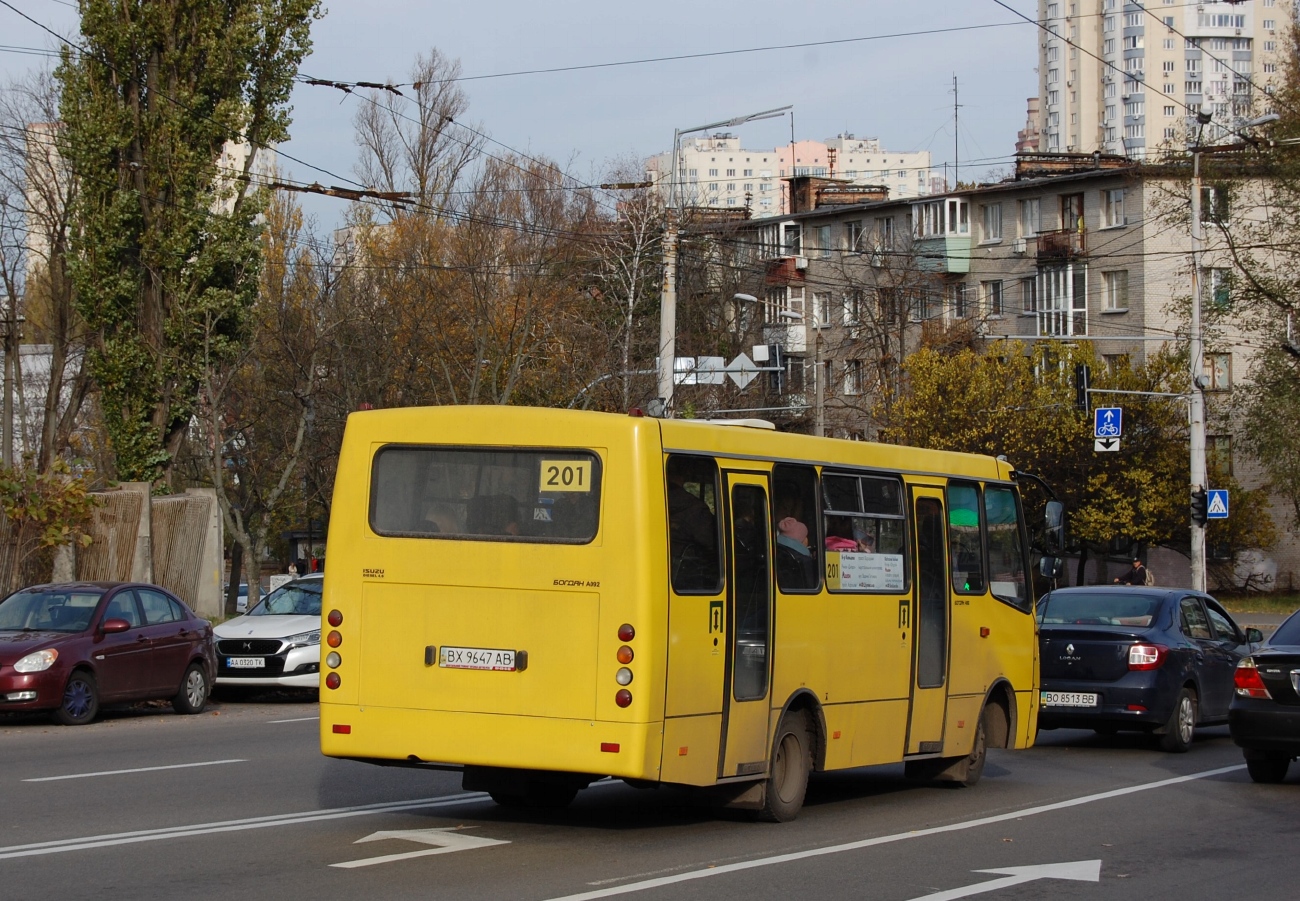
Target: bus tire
x,y
956,771
787,779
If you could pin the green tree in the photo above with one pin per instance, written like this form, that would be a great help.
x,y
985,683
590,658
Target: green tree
x,y
165,255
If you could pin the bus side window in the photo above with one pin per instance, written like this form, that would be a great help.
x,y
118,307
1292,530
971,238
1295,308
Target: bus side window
x,y
1006,553
798,545
693,524
965,547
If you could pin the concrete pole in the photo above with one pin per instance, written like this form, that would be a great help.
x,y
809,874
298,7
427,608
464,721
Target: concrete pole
x,y
1196,415
668,316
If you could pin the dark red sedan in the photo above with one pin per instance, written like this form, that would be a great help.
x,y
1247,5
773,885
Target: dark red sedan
x,y
70,647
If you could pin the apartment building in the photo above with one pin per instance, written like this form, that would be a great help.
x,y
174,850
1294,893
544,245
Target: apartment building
x,y
716,172
1129,78
1074,248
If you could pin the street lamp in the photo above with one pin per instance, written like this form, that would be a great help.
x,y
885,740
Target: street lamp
x,y
1195,352
668,303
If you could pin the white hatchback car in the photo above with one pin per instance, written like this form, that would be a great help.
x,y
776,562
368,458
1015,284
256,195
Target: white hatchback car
x,y
277,643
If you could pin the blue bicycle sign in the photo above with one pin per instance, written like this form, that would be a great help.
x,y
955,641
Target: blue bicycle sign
x,y
1107,422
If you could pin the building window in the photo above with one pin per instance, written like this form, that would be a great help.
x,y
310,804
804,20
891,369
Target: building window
x,y
1215,204
959,300
713,173
853,235
1218,454
1218,283
1218,372
993,222
1030,217
822,309
792,239
853,308
853,377
884,233
941,217
1072,212
1063,300
992,291
824,241
1115,288
1029,295
1112,208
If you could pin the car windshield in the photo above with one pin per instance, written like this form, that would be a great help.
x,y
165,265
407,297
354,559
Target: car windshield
x,y
1288,632
300,598
1104,608
36,610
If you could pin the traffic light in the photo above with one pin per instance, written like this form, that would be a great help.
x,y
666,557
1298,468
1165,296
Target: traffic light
x,y
1200,501
1082,382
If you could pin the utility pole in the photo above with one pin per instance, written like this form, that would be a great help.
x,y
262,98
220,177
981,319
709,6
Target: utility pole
x,y
956,151
1196,404
668,313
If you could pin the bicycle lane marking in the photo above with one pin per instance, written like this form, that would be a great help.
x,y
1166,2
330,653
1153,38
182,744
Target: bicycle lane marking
x,y
724,869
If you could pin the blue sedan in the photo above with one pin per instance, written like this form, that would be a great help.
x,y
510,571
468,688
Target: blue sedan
x,y
1156,660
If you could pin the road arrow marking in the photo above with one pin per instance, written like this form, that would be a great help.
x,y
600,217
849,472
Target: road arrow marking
x,y
446,840
1078,871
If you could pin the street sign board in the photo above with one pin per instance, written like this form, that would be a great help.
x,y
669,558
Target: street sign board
x,y
742,371
710,371
1105,444
1216,503
1108,422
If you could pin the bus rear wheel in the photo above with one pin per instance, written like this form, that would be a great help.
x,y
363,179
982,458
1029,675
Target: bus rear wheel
x,y
787,780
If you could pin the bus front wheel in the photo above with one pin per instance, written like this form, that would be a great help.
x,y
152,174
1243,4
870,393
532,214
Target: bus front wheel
x,y
787,780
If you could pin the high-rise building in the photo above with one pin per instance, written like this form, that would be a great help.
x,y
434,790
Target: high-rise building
x,y
714,171
1130,78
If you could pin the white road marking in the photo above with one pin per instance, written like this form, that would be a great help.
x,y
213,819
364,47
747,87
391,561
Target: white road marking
x,y
142,769
267,822
445,840
301,719
890,839
1077,870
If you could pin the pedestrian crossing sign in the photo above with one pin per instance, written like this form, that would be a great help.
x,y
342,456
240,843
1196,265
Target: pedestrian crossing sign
x,y
1216,503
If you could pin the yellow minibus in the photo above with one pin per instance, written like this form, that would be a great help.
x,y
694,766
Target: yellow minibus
x,y
543,598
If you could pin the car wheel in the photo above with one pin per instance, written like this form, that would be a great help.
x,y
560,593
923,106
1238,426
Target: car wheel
x,y
193,694
80,700
787,780
1177,737
1268,770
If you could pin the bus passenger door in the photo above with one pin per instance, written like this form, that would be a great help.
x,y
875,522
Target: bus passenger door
x,y
749,628
930,632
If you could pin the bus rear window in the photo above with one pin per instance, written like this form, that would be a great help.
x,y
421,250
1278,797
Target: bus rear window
x,y
500,495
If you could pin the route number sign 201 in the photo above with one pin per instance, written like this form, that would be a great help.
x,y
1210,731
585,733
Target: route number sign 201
x,y
565,475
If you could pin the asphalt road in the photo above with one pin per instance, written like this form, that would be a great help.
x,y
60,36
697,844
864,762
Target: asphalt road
x,y
238,803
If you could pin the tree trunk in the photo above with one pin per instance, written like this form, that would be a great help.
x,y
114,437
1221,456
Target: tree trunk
x,y
232,590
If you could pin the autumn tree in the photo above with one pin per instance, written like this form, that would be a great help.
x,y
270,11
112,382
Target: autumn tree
x,y
165,256
1022,404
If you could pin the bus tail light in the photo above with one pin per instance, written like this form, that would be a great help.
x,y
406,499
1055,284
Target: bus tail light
x,y
626,632
335,618
332,680
333,660
1146,656
625,654
1247,681
623,676
623,698
334,639
342,729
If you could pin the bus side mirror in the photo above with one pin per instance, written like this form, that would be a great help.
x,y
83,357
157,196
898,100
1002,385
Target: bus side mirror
x,y
1054,533
1051,568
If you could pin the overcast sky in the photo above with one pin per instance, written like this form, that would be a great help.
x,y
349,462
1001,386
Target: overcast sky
x,y
896,88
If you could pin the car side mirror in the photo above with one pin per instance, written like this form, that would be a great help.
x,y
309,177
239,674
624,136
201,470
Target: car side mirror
x,y
109,626
1254,636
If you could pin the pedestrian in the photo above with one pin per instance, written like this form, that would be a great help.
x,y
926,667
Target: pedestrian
x,y
1135,576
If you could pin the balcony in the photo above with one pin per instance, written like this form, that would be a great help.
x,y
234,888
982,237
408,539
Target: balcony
x,y
1062,244
946,254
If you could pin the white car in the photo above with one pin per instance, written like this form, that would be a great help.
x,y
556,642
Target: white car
x,y
277,643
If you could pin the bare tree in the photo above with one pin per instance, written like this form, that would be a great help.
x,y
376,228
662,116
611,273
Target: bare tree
x,y
37,192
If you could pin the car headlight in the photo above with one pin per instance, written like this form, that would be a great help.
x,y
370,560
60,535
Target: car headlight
x,y
40,661
303,638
